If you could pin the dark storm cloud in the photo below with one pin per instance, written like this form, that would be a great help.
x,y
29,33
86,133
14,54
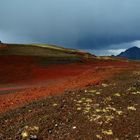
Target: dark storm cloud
x,y
85,24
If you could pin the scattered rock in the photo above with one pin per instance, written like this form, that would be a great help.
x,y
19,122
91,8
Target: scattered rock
x,y
55,104
74,127
117,94
107,132
105,85
131,108
30,133
99,137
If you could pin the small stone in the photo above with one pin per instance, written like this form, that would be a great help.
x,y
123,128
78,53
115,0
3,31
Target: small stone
x,y
137,136
107,132
92,91
88,100
96,105
50,131
117,94
25,134
97,117
80,101
119,112
109,98
29,110
87,108
33,137
100,122
86,111
36,128
98,110
56,125
111,108
55,104
104,85
99,137
134,93
6,121
30,132
86,91
131,108
104,110
98,93
74,127
79,108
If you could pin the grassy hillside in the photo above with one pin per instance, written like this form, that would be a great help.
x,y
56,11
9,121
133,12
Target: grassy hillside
x,y
41,50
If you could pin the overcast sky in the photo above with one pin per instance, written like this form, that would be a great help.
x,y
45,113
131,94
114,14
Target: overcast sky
x,y
102,27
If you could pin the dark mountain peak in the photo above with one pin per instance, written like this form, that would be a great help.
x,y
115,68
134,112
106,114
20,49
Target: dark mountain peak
x,y
134,47
131,53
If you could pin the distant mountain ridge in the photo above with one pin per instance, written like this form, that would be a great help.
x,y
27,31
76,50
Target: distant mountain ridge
x,y
131,53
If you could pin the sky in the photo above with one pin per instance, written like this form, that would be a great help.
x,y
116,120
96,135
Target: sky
x,y
102,27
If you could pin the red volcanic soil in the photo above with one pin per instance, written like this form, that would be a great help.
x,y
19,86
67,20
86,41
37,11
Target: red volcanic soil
x,y
38,81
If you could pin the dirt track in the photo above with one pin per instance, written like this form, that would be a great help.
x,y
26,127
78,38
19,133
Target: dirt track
x,y
108,111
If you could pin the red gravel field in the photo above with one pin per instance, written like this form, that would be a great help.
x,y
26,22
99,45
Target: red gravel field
x,y
25,80
84,100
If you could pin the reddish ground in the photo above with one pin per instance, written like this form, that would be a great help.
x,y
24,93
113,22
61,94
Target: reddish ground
x,y
41,81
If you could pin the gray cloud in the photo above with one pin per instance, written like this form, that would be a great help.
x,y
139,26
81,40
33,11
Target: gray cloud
x,y
84,24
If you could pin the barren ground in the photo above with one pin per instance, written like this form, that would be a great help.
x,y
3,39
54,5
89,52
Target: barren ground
x,y
25,81
100,102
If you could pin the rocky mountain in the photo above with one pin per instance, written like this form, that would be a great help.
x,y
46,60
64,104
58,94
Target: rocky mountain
x,y
131,53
